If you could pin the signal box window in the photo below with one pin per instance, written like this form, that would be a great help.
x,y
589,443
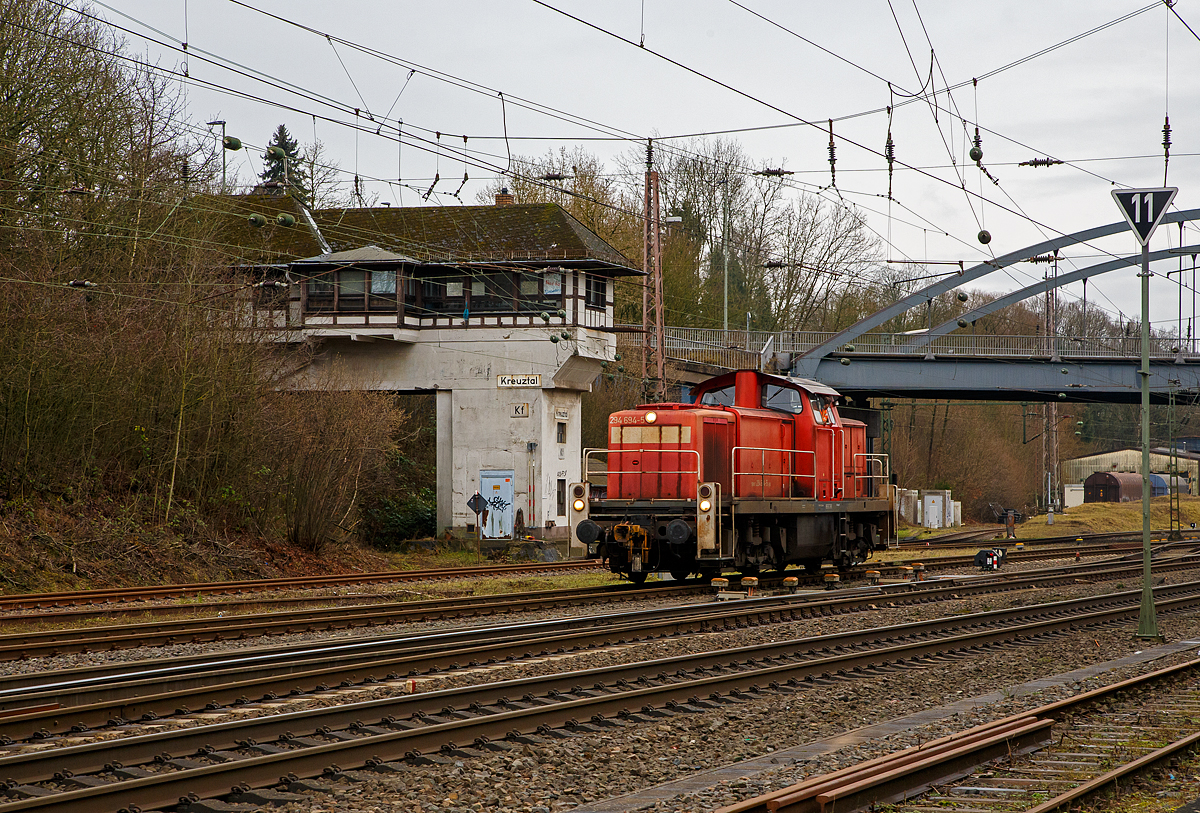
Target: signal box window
x,y
562,497
782,399
597,291
562,432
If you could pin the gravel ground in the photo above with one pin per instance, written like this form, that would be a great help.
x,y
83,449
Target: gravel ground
x,y
558,775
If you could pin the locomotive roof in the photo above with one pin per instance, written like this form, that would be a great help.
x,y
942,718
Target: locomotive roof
x,y
806,384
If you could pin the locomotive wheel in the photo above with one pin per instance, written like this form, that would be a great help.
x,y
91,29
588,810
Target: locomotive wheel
x,y
637,578
812,565
680,574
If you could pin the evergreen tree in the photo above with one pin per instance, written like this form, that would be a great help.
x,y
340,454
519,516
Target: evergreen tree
x,y
296,169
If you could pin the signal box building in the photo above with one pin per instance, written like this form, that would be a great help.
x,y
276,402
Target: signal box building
x,y
504,313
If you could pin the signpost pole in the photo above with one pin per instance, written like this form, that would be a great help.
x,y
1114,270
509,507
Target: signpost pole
x,y
1147,618
477,504
1144,210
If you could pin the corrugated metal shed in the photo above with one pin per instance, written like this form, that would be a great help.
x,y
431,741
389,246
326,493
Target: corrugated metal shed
x,y
1112,486
1161,484
1124,460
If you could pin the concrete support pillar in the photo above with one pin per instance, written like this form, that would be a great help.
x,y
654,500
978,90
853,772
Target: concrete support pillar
x,y
445,460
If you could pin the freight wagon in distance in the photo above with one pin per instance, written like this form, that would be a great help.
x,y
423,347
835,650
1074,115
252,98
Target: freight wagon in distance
x,y
1112,486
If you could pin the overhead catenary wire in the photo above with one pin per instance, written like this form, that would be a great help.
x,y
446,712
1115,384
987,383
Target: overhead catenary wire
x,y
286,20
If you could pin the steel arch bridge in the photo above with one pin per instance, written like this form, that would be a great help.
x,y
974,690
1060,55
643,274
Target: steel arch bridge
x,y
936,364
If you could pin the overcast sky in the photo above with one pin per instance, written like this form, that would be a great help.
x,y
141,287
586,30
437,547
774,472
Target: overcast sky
x,y
1096,103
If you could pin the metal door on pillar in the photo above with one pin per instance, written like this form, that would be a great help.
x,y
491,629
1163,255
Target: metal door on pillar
x,y
496,486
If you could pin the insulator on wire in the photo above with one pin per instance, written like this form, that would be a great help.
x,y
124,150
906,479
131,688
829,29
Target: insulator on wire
x,y
1051,257
889,153
1166,142
832,157
1040,162
976,152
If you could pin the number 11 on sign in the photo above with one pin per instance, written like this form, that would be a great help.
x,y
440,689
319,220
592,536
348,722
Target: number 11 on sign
x,y
1144,208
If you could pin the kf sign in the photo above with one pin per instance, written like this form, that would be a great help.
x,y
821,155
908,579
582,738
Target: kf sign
x,y
1144,208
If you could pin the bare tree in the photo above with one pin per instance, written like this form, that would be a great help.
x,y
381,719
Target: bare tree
x,y
819,254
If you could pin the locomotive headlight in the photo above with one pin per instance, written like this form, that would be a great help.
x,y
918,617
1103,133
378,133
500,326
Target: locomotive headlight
x,y
651,417
578,505
705,505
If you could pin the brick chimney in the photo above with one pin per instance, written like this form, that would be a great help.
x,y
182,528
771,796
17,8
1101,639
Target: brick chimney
x,y
504,197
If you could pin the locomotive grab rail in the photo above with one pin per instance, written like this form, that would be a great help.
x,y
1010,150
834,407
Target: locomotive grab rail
x,y
587,453
884,468
870,459
762,475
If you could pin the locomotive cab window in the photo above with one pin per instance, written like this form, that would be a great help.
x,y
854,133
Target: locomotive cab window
x,y
821,409
721,397
782,399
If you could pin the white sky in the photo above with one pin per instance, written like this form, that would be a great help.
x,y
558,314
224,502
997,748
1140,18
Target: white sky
x,y
1097,103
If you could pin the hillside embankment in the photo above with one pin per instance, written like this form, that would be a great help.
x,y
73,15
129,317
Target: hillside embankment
x,y
49,545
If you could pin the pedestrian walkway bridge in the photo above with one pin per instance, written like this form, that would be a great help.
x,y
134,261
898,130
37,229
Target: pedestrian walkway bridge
x,y
946,361
956,365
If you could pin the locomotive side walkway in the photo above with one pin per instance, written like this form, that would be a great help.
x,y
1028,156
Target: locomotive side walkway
x,y
810,751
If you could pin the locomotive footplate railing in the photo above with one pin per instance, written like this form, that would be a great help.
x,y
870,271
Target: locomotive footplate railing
x,y
641,472
745,478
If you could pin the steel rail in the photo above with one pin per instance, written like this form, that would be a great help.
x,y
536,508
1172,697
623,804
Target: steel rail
x,y
127,701
19,646
157,790
87,702
1100,782
35,600
833,603
211,628
800,799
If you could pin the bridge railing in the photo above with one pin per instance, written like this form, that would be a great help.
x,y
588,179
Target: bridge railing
x,y
734,349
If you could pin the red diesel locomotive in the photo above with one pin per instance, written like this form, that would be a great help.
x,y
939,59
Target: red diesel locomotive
x,y
759,473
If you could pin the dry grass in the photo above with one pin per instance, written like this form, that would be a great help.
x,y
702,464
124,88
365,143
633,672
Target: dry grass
x,y
1111,517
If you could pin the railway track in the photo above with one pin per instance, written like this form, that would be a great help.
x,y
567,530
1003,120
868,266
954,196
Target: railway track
x,y
40,705
42,643
955,539
994,534
1047,759
221,621
126,595
130,594
156,770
